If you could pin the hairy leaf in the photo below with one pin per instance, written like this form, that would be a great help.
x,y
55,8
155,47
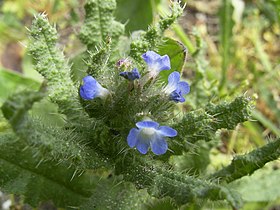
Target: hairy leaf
x,y
182,188
23,172
53,142
39,180
119,196
194,162
203,124
99,23
11,82
50,62
243,165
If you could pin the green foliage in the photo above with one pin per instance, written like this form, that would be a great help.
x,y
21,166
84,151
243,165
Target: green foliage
x,y
271,9
177,53
162,182
203,124
246,164
132,12
41,180
16,112
10,81
195,161
162,204
98,60
99,23
83,161
53,144
118,195
151,39
37,179
49,62
228,115
264,191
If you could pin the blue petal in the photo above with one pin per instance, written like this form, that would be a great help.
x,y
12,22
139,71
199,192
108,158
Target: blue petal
x,y
134,74
150,56
86,93
159,145
181,100
164,63
184,87
142,146
92,89
89,80
167,131
124,74
173,78
147,124
132,137
88,89
177,96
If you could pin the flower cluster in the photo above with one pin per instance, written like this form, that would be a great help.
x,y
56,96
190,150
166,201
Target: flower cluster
x,y
148,133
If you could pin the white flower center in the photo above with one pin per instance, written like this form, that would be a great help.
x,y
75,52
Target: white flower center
x,y
147,133
169,88
103,93
154,70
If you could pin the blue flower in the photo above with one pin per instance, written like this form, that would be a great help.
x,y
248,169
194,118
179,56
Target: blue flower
x,y
134,74
92,89
150,134
176,88
156,63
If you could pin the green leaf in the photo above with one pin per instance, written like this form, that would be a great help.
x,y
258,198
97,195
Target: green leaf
x,y
271,9
12,81
161,204
24,172
50,63
203,124
162,182
194,162
116,195
21,172
48,114
99,23
28,68
247,164
180,33
138,14
54,143
152,38
16,107
259,187
177,53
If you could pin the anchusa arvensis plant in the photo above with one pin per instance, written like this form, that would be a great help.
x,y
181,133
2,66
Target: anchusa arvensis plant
x,y
108,112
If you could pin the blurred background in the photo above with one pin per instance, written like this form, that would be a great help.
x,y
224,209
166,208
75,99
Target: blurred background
x,y
233,49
